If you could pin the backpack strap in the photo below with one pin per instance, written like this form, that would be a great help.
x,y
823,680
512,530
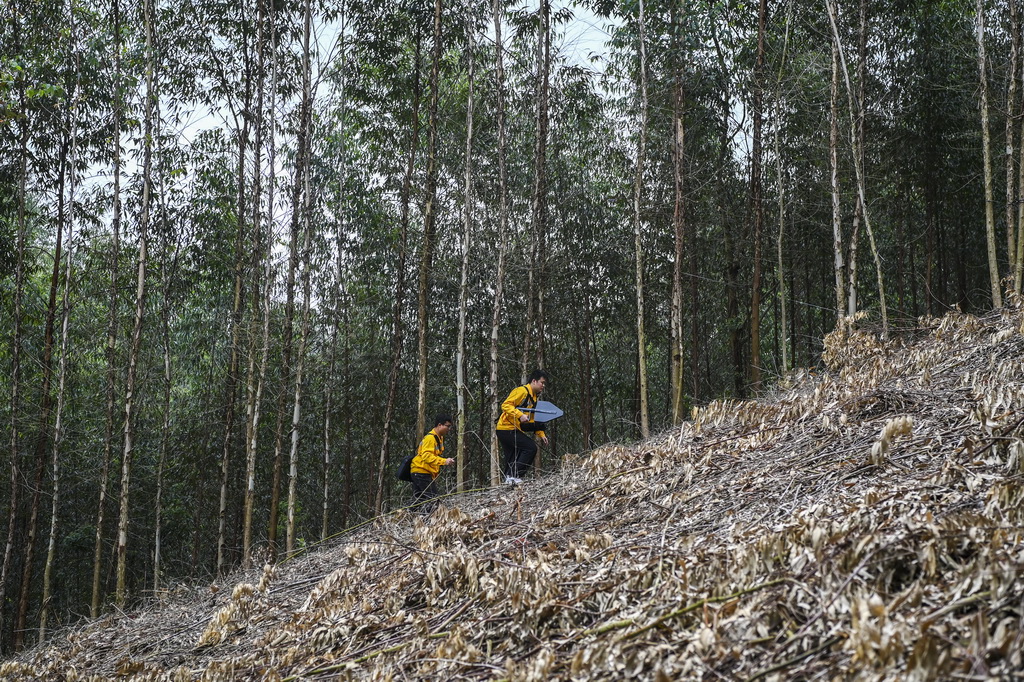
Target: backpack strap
x,y
529,401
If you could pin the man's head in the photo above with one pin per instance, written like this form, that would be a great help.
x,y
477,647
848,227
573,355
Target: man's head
x,y
442,423
538,380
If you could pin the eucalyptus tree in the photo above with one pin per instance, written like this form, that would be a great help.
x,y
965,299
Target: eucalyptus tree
x,y
62,114
502,236
467,245
21,114
677,367
638,188
859,166
113,298
756,198
986,150
150,109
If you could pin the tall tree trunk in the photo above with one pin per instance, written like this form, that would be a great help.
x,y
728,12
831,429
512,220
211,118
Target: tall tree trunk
x,y
859,169
499,279
396,321
1020,190
638,187
585,370
236,324
677,361
990,221
467,245
755,191
837,215
165,426
58,423
140,307
43,435
112,319
286,339
339,283
858,209
1011,108
732,265
16,349
429,224
300,216
255,395
780,327
534,284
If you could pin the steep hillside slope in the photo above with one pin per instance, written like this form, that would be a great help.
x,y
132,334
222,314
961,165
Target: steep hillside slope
x,y
865,523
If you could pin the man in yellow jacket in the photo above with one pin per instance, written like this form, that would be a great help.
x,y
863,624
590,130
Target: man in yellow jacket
x,y
428,462
513,425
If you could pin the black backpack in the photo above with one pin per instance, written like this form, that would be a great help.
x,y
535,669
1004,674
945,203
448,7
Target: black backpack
x,y
404,472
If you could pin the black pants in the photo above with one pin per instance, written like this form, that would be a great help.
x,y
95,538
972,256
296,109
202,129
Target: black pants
x,y
519,452
425,488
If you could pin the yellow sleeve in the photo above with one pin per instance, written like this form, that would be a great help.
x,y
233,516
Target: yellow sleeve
x,y
511,405
429,452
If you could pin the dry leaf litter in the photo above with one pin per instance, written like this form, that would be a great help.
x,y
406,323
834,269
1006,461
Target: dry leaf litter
x,y
862,523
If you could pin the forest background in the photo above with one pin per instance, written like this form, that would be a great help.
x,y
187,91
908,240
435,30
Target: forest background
x,y
248,249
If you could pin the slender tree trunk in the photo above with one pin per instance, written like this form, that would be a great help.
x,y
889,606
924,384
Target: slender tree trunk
x,y
858,209
677,361
540,190
140,307
858,167
43,436
16,349
339,283
396,322
62,372
293,460
467,245
638,188
429,224
583,358
165,426
286,338
732,265
346,383
990,221
1020,190
112,319
300,215
755,182
534,285
780,327
1011,106
58,424
236,324
499,280
328,406
837,215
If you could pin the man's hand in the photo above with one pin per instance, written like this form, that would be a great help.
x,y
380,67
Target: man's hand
x,y
523,418
544,439
450,460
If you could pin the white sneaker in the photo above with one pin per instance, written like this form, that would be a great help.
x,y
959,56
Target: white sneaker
x,y
512,480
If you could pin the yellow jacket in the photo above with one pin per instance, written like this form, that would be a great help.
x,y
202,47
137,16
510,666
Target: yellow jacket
x,y
429,458
521,396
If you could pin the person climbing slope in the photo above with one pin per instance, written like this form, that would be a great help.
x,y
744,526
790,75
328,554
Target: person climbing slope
x,y
428,462
514,424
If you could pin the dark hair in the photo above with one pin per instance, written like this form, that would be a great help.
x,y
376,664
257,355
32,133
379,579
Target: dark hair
x,y
538,374
442,418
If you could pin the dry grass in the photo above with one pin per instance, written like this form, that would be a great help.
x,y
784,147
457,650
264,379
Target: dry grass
x,y
866,523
